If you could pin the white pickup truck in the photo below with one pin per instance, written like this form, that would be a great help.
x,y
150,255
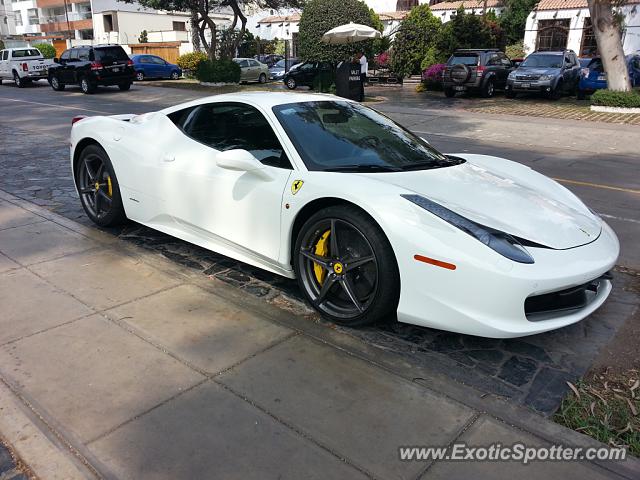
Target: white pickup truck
x,y
22,65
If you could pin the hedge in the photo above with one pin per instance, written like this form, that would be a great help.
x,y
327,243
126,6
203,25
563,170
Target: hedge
x,y
47,50
218,71
610,98
189,61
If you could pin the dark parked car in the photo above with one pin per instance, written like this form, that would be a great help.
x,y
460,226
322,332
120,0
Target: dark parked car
x,y
593,77
281,67
476,70
548,72
152,66
90,66
268,59
305,73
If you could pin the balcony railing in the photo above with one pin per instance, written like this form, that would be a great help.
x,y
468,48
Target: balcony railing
x,y
71,16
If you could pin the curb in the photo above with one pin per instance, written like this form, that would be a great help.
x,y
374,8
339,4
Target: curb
x,y
600,108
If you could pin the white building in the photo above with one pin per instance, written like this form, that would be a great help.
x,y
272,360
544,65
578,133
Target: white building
x,y
447,10
560,24
7,19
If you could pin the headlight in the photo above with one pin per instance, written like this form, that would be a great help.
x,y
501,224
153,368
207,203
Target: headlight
x,y
501,242
544,78
512,74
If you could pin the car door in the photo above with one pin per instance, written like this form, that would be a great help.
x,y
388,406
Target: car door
x,y
256,69
63,71
244,70
308,72
504,69
159,66
236,207
4,62
70,74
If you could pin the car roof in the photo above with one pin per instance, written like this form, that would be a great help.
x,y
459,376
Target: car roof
x,y
476,50
266,100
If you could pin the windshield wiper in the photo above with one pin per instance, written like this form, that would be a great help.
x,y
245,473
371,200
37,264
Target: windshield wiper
x,y
363,168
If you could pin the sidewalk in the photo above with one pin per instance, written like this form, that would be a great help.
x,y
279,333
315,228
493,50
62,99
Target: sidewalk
x,y
116,363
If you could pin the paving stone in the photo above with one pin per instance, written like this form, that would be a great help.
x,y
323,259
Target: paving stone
x,y
518,370
104,279
358,410
7,264
14,216
226,438
524,348
29,244
548,389
102,375
204,329
30,304
486,431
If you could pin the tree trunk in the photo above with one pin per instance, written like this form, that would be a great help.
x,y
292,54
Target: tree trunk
x,y
607,32
195,36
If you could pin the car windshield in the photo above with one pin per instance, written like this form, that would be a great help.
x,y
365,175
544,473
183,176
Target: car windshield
x,y
29,52
110,54
345,136
279,64
464,59
544,61
596,64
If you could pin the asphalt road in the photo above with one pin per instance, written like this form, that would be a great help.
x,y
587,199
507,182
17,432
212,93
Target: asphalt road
x,y
595,160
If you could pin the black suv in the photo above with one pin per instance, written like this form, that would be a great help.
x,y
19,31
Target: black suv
x,y
477,70
305,74
90,66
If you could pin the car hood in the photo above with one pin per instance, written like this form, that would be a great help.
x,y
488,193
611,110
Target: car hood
x,y
526,205
537,71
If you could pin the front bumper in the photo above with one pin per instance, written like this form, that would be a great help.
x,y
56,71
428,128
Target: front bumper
x,y
488,298
537,86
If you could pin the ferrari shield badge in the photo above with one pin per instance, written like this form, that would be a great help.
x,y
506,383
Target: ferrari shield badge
x,y
296,186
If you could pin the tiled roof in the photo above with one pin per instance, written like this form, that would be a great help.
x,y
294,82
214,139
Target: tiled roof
x,y
392,15
295,17
468,5
566,4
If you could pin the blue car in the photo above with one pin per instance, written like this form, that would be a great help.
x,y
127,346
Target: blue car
x,y
593,77
152,66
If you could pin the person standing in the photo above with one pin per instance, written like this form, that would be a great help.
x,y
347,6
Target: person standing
x,y
364,68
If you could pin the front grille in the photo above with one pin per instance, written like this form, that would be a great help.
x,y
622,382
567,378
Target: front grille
x,y
527,77
538,307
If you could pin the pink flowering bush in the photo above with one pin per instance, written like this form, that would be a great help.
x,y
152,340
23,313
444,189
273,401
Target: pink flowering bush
x,y
382,60
432,76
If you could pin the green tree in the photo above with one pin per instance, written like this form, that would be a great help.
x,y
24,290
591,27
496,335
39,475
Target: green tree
x,y
46,49
414,37
144,37
514,18
465,30
320,16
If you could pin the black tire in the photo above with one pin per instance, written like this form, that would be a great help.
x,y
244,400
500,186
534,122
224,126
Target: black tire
x,y
291,83
124,86
140,76
449,92
175,75
87,86
581,94
361,266
56,84
18,82
488,90
510,94
556,93
262,78
102,204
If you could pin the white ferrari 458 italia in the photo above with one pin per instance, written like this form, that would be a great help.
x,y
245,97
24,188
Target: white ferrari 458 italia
x,y
370,219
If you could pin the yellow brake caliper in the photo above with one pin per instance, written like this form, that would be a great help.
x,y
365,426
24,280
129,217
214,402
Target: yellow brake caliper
x,y
109,186
322,248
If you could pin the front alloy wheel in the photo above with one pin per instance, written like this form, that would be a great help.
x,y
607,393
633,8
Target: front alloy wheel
x,y
139,76
346,268
291,83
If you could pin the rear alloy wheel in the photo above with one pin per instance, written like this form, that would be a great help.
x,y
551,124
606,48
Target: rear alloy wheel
x,y
489,88
124,86
98,187
346,268
262,78
140,76
291,83
86,86
19,82
175,75
56,84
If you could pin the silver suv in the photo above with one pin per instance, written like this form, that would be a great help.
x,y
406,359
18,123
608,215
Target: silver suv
x,y
551,73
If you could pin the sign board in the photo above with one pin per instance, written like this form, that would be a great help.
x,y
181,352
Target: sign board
x,y
348,80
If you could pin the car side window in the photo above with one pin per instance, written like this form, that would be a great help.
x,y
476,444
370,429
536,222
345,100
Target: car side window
x,y
254,63
65,55
307,66
5,54
227,126
83,54
73,55
243,64
493,60
157,60
504,60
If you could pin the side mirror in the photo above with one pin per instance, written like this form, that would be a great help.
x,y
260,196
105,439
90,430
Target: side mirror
x,y
56,60
240,160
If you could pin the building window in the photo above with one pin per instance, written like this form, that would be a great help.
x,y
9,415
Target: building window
x,y
32,15
86,34
180,26
108,22
588,45
18,18
405,5
552,34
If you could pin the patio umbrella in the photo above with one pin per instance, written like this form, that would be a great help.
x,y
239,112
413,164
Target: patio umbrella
x,y
350,33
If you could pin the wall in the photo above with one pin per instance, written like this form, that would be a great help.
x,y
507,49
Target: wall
x,y
23,7
631,40
6,14
129,25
